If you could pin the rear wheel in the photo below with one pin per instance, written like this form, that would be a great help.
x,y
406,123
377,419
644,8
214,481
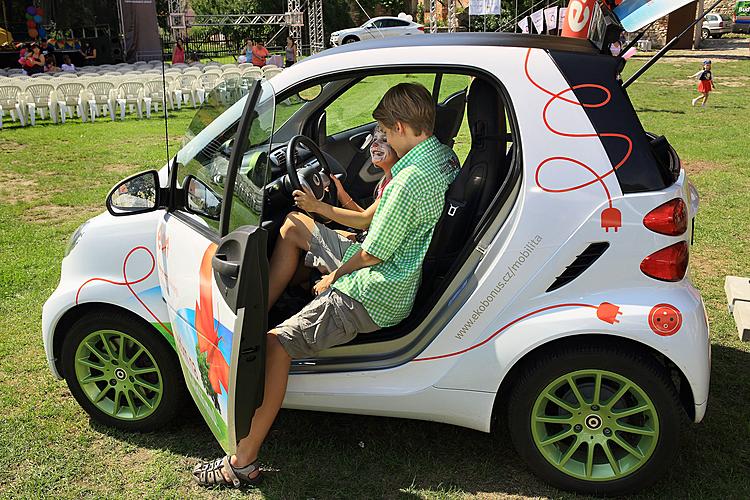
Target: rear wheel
x,y
122,372
595,419
705,33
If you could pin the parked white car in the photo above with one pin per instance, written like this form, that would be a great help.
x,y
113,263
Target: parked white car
x,y
715,25
555,298
377,27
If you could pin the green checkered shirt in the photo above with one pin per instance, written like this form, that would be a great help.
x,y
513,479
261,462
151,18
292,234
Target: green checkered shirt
x,y
400,233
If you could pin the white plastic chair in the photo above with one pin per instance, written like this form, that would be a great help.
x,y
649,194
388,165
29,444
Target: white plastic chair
x,y
66,75
15,71
41,75
38,98
228,66
244,66
153,94
270,73
269,67
154,62
205,84
130,93
10,95
70,96
184,86
101,94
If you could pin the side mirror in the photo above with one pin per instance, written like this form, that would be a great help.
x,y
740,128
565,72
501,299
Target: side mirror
x,y
201,199
310,93
137,194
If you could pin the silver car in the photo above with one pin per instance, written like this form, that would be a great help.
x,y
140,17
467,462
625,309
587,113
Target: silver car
x,y
715,25
375,28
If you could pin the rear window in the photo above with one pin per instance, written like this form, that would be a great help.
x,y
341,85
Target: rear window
x,y
725,17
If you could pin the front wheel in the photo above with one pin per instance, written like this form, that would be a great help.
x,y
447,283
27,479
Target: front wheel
x,y
122,372
597,420
351,39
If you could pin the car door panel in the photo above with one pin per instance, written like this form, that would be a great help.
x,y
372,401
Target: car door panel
x,y
216,294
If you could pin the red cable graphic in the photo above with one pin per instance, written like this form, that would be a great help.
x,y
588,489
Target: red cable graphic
x,y
610,217
129,283
605,311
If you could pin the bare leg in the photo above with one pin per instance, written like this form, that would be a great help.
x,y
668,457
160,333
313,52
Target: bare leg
x,y
705,98
277,374
294,236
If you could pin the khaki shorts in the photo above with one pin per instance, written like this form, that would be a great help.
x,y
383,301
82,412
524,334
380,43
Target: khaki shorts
x,y
332,318
327,248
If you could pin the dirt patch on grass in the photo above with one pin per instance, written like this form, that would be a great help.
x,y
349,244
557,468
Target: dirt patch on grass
x,y
9,147
121,168
15,188
698,166
54,214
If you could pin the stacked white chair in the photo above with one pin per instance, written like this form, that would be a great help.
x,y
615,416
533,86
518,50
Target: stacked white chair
x,y
205,84
15,71
225,67
130,93
153,94
38,98
41,75
271,72
101,94
70,96
67,75
244,66
155,62
253,71
10,100
184,87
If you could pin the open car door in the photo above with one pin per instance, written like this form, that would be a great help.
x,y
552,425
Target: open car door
x,y
212,260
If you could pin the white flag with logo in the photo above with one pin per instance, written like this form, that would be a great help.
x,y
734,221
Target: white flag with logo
x,y
524,24
550,17
561,16
492,7
477,7
538,19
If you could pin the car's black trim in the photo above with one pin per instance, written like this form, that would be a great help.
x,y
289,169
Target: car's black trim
x,y
583,261
544,42
641,172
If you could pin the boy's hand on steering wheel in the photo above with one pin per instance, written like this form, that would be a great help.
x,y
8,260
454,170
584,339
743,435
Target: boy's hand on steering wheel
x,y
306,201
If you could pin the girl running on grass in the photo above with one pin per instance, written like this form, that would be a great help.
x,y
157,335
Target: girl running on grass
x,y
706,83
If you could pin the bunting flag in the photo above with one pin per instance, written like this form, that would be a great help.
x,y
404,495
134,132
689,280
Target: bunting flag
x,y
538,19
561,16
484,7
550,17
524,24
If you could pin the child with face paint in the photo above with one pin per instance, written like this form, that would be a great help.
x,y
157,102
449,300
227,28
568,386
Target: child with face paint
x,y
325,247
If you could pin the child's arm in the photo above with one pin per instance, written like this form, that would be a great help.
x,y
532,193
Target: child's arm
x,y
697,75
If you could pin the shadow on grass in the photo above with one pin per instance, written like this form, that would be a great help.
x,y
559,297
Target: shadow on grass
x,y
650,110
327,455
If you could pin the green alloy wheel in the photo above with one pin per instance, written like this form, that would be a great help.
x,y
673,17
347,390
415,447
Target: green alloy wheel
x,y
122,372
595,419
118,375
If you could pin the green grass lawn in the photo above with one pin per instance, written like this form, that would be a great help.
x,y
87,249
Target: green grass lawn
x,y
52,178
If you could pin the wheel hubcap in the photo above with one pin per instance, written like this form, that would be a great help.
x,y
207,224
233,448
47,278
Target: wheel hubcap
x,y
118,375
595,425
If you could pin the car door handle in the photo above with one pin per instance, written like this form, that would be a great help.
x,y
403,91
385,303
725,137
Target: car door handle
x,y
224,267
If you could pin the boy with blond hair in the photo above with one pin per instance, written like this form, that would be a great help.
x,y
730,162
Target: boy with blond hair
x,y
376,284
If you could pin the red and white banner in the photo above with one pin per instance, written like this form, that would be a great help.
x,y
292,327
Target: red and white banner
x,y
578,18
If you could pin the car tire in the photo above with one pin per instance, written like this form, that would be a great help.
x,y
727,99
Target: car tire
x,y
350,39
627,461
705,34
135,388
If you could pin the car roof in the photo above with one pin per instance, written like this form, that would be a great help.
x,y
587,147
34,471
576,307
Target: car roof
x,y
387,17
545,42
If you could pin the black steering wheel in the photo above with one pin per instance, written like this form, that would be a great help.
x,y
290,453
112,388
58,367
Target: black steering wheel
x,y
317,181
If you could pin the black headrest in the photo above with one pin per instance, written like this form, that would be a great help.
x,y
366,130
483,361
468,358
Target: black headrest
x,y
485,116
445,119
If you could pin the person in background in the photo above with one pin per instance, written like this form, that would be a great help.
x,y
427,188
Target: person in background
x,y
67,65
291,52
35,61
47,48
178,54
247,50
705,83
89,54
50,64
260,54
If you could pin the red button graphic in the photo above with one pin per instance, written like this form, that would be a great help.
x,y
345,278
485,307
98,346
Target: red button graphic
x,y
664,319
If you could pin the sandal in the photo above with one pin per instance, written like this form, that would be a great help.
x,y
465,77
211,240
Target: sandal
x,y
210,473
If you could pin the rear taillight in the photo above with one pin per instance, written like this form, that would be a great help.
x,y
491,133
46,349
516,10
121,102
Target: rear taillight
x,y
420,28
669,218
668,264
721,24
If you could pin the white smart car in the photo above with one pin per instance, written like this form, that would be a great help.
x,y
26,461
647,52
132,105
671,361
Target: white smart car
x,y
554,297
375,28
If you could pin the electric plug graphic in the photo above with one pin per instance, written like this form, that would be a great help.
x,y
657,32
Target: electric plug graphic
x,y
608,313
611,218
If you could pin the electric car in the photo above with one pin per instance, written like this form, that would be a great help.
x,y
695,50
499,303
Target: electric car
x,y
554,299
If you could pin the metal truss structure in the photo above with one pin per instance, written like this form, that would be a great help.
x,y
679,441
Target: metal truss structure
x,y
293,20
